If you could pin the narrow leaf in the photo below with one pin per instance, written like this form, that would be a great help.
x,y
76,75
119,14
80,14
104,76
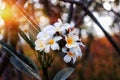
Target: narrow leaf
x,y
26,39
19,65
21,58
22,67
64,74
32,33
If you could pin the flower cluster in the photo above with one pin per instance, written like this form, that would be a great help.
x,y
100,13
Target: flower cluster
x,y
50,36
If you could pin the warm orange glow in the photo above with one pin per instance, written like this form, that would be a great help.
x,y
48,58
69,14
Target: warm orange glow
x,y
8,12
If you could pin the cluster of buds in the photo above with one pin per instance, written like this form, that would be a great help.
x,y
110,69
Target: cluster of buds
x,y
60,36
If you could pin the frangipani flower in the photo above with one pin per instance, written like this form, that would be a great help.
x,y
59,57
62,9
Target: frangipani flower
x,y
45,41
46,32
50,29
46,45
40,44
60,27
72,54
52,43
43,35
71,40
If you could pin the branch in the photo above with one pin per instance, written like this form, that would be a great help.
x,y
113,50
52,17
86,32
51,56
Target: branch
x,y
70,14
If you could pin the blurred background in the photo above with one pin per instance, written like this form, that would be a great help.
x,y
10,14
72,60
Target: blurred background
x,y
100,60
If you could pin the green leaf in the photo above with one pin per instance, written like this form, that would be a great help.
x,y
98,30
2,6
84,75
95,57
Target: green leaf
x,y
32,33
26,39
19,65
22,67
64,74
28,64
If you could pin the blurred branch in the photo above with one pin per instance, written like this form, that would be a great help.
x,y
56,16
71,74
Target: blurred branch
x,y
80,19
117,14
70,14
97,22
47,7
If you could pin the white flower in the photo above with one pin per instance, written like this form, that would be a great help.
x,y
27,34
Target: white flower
x,y
43,35
40,44
60,27
52,43
50,29
72,54
47,44
46,32
75,31
71,40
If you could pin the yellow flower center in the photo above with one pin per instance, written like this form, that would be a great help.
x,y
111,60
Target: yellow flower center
x,y
57,29
70,54
69,40
51,41
41,44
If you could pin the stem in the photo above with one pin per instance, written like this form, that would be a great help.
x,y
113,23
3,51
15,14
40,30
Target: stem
x,y
41,59
45,73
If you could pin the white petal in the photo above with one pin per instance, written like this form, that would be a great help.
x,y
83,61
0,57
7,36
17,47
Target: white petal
x,y
74,59
75,37
47,48
55,46
41,49
40,34
81,44
71,45
64,50
43,36
37,48
38,44
78,51
76,31
66,26
58,24
57,38
50,29
59,20
37,41
67,59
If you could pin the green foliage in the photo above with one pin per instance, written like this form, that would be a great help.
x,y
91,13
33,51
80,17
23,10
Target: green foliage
x,y
26,38
64,73
21,62
32,33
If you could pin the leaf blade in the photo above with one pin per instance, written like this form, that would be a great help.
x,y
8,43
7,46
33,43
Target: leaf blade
x,y
21,58
26,39
64,74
